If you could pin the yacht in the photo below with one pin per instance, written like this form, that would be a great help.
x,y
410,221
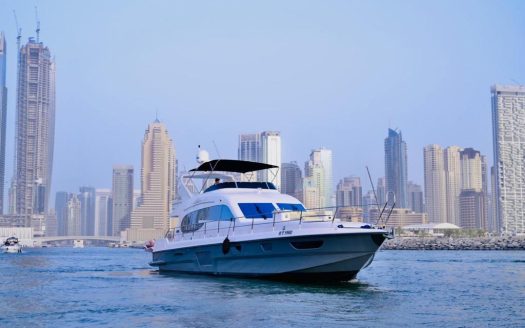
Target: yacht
x,y
232,227
11,245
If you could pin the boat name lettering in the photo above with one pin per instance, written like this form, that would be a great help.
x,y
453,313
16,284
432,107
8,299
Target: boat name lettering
x,y
285,232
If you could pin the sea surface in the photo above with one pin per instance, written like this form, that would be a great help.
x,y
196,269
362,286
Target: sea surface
x,y
108,287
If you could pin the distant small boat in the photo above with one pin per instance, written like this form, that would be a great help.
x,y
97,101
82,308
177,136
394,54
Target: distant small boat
x,y
118,245
11,245
78,244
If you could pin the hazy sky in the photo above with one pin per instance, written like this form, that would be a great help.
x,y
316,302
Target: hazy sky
x,y
336,74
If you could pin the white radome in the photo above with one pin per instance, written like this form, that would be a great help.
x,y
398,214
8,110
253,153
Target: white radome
x,y
202,156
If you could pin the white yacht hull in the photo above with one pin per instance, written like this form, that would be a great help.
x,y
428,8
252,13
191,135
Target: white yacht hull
x,y
12,249
323,257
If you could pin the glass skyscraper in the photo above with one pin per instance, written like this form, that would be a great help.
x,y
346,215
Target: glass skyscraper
x,y
122,193
396,167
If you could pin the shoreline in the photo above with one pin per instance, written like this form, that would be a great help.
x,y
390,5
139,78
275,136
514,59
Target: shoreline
x,y
446,243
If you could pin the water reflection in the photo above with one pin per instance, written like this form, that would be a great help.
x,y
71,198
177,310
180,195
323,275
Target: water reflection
x,y
245,286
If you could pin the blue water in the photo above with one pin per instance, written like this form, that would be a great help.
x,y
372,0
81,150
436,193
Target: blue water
x,y
115,287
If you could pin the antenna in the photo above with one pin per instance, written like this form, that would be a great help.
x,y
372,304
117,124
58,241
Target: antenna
x,y
18,31
37,25
375,195
217,149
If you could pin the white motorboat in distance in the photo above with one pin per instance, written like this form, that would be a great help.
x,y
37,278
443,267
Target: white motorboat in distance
x,y
249,229
11,245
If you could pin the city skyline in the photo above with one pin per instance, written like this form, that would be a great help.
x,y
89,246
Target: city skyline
x,y
325,101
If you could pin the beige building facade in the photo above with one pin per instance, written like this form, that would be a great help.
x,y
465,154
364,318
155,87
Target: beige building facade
x,y
157,182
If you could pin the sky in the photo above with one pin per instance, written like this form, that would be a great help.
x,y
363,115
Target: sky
x,y
334,74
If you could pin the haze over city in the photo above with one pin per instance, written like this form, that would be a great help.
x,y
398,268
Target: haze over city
x,y
336,76
145,143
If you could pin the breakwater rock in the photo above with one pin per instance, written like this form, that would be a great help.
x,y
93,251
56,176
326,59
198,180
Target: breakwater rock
x,y
444,243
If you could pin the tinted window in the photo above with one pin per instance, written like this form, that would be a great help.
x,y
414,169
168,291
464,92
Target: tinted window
x,y
291,207
257,210
189,223
220,213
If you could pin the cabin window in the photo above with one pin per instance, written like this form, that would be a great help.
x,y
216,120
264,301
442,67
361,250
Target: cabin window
x,y
195,220
220,213
291,207
257,210
189,223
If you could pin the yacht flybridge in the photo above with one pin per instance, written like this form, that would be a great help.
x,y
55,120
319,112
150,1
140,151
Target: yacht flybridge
x,y
232,227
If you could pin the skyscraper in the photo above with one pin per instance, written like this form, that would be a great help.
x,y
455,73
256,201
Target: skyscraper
x,y
452,166
157,180
349,198
473,198
271,154
508,126
415,197
3,116
87,210
122,191
471,169
61,199
73,217
381,192
35,128
264,147
396,167
103,212
291,180
318,174
249,147
435,192
349,192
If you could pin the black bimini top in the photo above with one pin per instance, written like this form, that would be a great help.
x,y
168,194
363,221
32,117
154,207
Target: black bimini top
x,y
231,165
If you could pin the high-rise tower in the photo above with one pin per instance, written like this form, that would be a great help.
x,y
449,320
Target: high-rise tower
x,y
264,147
34,134
157,180
122,193
435,191
292,180
452,168
87,197
271,154
508,126
318,175
396,167
249,147
3,116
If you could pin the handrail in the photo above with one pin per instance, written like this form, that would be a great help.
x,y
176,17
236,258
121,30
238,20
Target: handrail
x,y
303,218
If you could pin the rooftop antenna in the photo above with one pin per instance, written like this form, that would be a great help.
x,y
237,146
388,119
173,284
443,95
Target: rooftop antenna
x,y
18,31
37,25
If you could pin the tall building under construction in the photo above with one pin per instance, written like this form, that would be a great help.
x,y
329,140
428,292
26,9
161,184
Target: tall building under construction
x,y
34,134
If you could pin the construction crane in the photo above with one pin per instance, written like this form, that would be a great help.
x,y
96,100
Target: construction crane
x,y
19,32
37,25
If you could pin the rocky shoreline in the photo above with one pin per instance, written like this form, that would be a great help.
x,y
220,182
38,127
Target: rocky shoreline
x,y
443,243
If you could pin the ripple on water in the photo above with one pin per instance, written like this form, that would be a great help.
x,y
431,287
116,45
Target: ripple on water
x,y
108,287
